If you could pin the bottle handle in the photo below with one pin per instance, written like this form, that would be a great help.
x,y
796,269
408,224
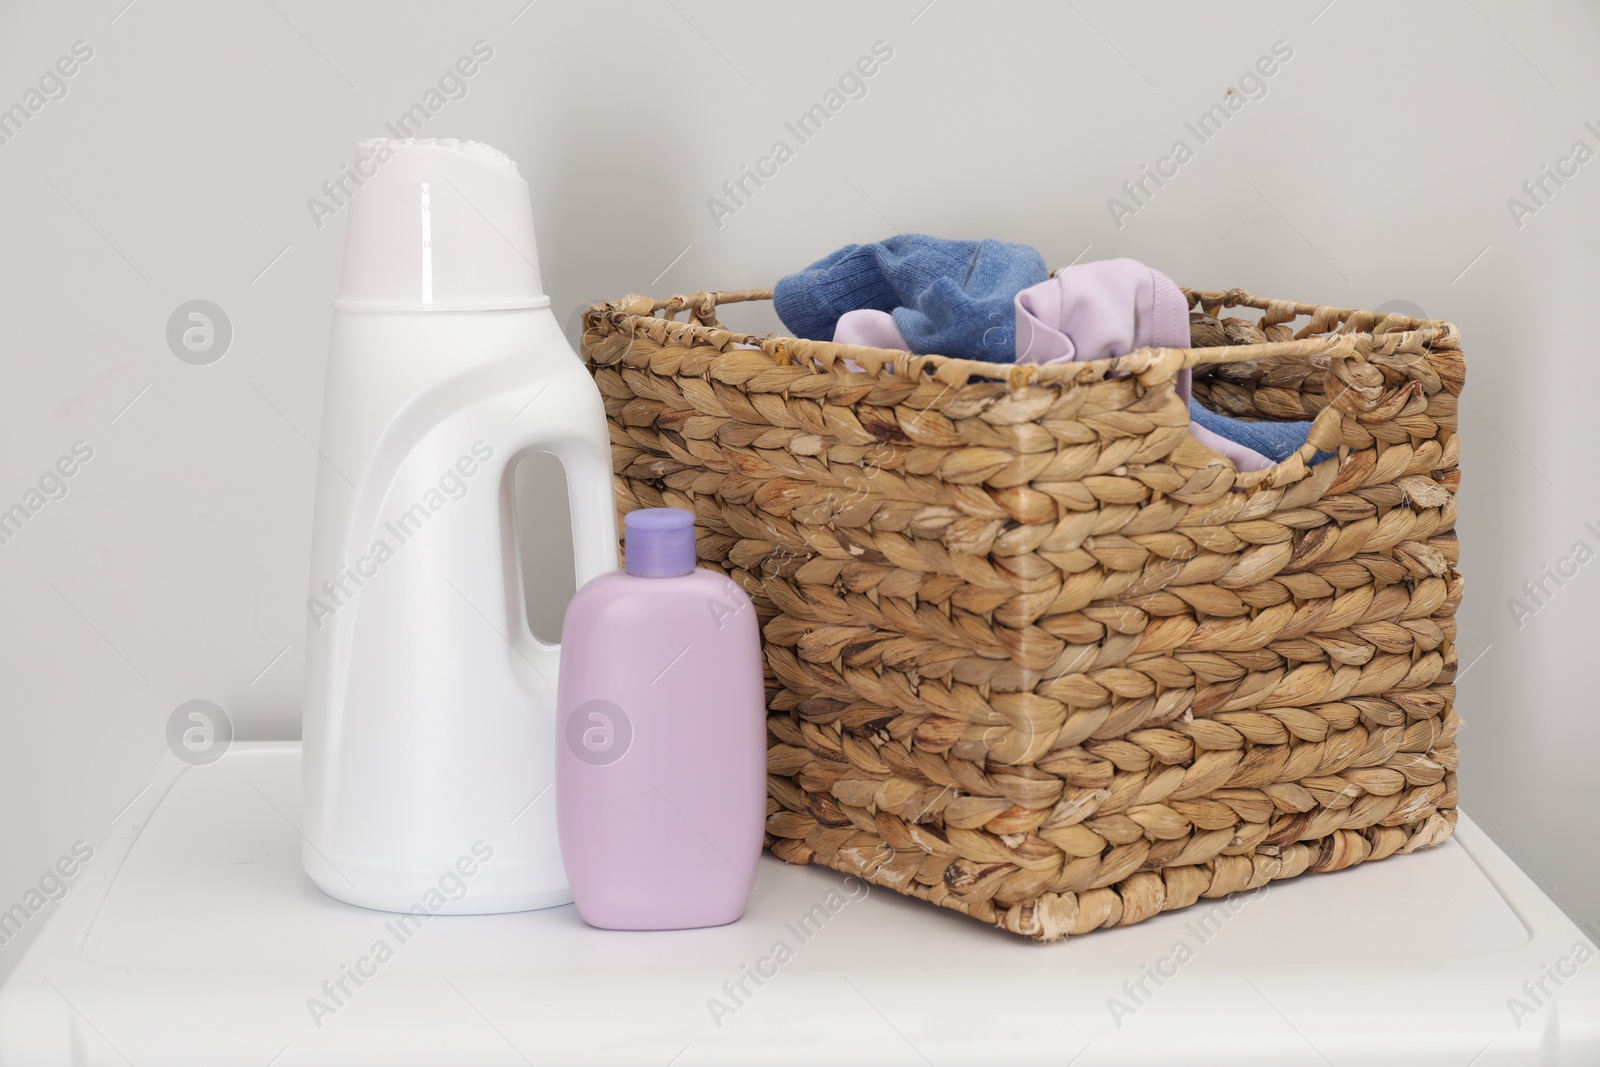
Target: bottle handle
x,y
586,466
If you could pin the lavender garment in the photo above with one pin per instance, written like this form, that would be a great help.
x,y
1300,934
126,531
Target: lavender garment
x,y
1112,307
869,328
1110,315
1099,311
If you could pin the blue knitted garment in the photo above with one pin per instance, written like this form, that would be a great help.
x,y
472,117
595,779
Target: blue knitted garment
x,y
948,298
1275,440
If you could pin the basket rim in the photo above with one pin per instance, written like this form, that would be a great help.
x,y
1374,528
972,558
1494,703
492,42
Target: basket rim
x,y
1332,331
1345,340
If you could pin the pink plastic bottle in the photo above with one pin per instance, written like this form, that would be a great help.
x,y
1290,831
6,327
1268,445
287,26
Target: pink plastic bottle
x,y
661,762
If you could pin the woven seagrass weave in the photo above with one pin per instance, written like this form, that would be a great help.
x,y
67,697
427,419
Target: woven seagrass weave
x,y
1033,652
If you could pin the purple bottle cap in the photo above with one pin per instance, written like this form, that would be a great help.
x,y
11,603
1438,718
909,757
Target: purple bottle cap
x,y
659,542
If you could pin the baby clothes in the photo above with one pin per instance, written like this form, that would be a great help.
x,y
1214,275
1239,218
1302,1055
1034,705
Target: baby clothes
x,y
952,298
1112,307
1092,311
1275,441
869,327
1100,311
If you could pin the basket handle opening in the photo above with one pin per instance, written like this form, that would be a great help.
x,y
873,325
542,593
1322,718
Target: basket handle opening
x,y
1358,389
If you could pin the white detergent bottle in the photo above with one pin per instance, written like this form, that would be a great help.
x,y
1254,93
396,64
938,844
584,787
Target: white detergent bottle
x,y
429,725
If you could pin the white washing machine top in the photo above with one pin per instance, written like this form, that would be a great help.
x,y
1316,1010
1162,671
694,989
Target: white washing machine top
x,y
194,937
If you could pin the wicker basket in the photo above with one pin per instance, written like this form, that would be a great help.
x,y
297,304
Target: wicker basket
x,y
1033,652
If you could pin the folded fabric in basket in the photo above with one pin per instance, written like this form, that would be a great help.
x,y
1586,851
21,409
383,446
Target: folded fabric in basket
x,y
870,329
1099,311
1273,441
953,298
1112,307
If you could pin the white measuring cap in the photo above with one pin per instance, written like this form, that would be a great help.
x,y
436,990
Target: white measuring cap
x,y
438,225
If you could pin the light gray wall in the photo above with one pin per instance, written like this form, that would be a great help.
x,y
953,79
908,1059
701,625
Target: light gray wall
x,y
1376,167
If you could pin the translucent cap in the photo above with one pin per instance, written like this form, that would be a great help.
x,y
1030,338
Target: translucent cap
x,y
438,224
659,542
